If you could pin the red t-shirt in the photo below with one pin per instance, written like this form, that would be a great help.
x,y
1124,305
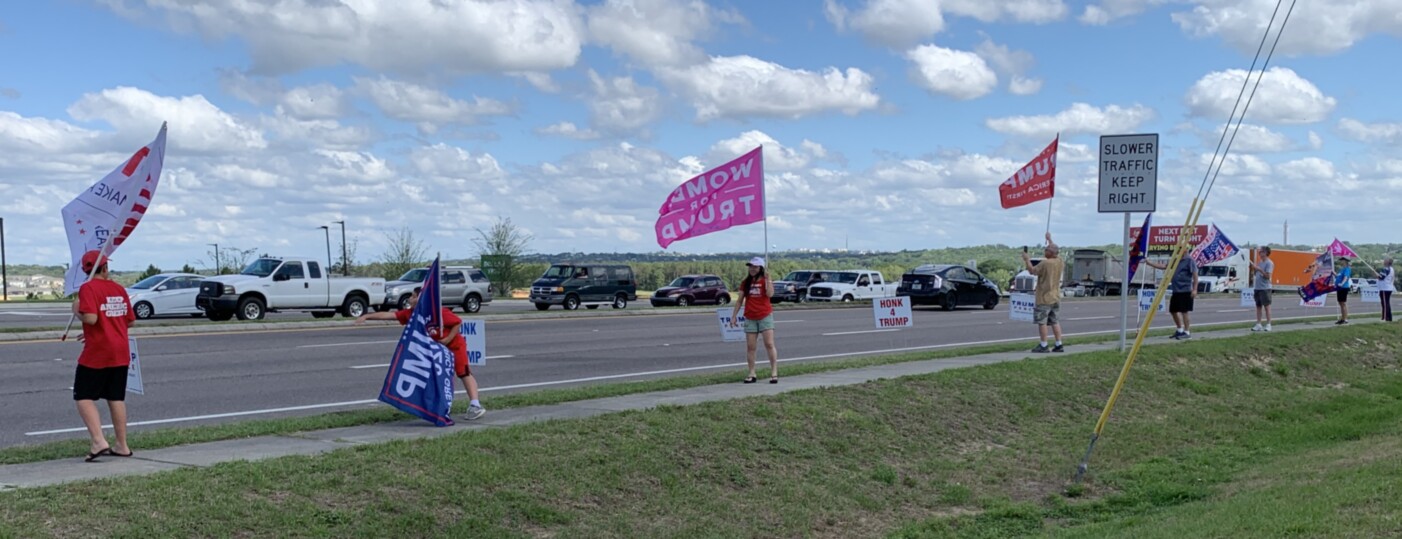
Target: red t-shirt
x,y
459,345
757,305
105,343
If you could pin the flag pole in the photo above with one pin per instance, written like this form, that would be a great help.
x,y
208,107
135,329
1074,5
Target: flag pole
x,y
764,193
101,254
1053,197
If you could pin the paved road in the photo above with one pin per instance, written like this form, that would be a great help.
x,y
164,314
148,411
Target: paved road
x,y
203,379
50,315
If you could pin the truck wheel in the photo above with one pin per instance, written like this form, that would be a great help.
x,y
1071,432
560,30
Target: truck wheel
x,y
683,301
144,310
803,296
620,302
251,308
571,303
403,303
847,298
472,304
219,316
542,306
354,307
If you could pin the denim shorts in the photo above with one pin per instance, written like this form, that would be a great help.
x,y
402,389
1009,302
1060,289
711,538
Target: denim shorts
x,y
760,326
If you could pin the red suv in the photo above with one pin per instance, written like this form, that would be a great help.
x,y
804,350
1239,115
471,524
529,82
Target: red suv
x,y
692,290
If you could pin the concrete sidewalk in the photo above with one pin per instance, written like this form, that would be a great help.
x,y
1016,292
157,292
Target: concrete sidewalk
x,y
315,442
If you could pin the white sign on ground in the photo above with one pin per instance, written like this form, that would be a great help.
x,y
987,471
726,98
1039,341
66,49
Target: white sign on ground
x,y
727,333
1371,295
1021,307
475,331
134,384
1321,301
1129,173
1248,298
1146,298
892,313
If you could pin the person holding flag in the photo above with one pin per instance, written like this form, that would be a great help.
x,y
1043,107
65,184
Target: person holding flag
x,y
1343,281
106,313
755,292
1184,289
1048,295
1262,268
1387,283
449,336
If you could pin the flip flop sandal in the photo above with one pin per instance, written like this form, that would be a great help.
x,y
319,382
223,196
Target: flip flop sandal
x,y
774,380
751,380
92,457
116,454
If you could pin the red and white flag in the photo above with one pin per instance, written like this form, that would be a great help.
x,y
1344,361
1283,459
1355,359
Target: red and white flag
x,y
1036,181
103,217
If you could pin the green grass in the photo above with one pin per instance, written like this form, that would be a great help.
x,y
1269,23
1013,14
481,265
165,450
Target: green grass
x,y
979,452
160,438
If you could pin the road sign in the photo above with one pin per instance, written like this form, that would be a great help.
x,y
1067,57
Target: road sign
x,y
1129,173
892,312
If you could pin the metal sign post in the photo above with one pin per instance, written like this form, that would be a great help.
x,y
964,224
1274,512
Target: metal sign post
x,y
1129,179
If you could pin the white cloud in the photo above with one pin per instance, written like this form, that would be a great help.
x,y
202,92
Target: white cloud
x,y
1307,169
1024,86
1352,129
19,134
1315,142
900,24
411,36
1315,27
1241,165
777,157
410,102
959,74
1109,10
1253,139
442,160
541,81
195,123
1284,97
1012,64
568,130
320,101
741,86
655,32
1080,118
297,133
621,105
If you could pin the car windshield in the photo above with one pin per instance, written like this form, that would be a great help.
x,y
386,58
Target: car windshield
x,y
559,272
414,275
798,276
1213,271
148,283
262,267
682,282
843,277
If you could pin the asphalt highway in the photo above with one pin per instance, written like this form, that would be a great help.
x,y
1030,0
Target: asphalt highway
x,y
217,378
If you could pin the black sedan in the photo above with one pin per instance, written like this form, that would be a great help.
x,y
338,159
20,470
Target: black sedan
x,y
948,286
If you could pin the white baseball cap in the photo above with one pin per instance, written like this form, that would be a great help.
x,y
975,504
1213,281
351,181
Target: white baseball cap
x,y
756,261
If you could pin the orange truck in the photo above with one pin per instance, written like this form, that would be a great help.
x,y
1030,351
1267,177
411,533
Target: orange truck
x,y
1290,268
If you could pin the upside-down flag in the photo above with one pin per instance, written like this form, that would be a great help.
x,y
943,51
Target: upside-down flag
x,y
1322,281
420,377
102,217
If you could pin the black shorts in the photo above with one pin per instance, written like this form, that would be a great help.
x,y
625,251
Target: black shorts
x,y
91,384
1343,295
1180,302
1263,298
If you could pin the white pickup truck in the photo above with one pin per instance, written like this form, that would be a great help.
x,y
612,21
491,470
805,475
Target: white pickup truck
x,y
286,284
851,285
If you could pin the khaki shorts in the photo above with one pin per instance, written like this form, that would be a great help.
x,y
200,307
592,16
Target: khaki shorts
x,y
760,326
1047,315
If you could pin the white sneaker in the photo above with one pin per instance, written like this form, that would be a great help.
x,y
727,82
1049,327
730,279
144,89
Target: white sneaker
x,y
1268,327
1257,327
474,412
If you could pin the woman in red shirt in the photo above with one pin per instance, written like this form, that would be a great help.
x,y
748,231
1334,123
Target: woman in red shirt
x,y
755,292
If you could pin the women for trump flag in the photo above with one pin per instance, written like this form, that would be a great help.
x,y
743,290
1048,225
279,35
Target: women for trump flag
x,y
1036,181
104,216
728,195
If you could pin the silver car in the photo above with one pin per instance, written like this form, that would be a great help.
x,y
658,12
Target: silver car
x,y
166,294
462,286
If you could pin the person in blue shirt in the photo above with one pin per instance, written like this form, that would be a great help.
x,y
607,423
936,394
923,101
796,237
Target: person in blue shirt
x,y
1343,280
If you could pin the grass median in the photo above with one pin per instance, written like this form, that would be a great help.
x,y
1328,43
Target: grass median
x,y
168,437
1289,434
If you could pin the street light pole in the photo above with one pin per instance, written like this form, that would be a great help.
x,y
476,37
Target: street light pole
x,y
4,267
328,248
218,268
345,258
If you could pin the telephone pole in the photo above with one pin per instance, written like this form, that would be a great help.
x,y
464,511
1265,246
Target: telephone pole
x,y
345,260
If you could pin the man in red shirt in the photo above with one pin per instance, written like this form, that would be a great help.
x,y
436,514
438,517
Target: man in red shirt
x,y
106,312
452,338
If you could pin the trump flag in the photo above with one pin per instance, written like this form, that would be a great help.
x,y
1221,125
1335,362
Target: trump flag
x,y
1214,247
1036,181
728,195
420,377
104,216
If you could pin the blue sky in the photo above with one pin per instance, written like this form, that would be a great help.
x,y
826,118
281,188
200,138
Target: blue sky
x,y
887,123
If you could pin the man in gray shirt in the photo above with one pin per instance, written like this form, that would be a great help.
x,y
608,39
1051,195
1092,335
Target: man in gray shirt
x,y
1261,270
1184,290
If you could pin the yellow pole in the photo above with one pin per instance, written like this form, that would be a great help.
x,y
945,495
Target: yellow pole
x,y
1184,234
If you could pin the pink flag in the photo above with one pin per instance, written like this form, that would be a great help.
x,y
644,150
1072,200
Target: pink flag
x,y
102,217
1338,248
728,195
